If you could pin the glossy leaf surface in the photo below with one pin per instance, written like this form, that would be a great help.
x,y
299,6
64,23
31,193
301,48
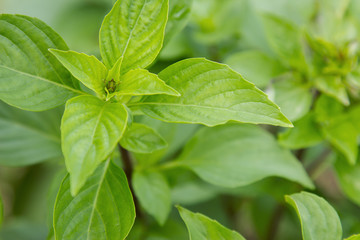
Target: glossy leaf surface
x,y
31,78
134,30
318,219
103,209
90,130
201,227
211,94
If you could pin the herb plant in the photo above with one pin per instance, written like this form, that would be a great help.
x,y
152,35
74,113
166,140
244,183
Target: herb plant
x,y
136,143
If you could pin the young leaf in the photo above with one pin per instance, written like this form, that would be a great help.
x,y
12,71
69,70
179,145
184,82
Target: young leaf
x,y
201,227
237,155
27,138
134,29
140,138
306,133
293,98
103,209
153,192
334,87
87,69
90,130
211,94
142,82
318,219
285,40
30,77
255,66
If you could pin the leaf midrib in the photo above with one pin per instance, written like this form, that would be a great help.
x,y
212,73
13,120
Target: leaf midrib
x,y
97,196
44,80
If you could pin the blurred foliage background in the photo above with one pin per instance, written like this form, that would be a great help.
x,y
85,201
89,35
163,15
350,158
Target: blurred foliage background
x,y
316,72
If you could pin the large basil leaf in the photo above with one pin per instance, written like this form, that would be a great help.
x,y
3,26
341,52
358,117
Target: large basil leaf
x,y
318,219
90,130
31,78
211,94
135,30
237,155
1,211
87,69
153,192
201,227
27,137
103,209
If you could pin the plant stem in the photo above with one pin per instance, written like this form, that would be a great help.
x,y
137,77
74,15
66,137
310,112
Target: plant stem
x,y
128,169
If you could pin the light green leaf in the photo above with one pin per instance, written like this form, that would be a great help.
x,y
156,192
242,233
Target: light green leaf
x,y
318,219
90,130
140,138
236,155
135,30
114,72
211,94
349,179
342,133
306,133
293,97
179,14
87,69
103,209
255,66
153,192
27,138
201,227
354,237
142,82
30,77
334,87
285,40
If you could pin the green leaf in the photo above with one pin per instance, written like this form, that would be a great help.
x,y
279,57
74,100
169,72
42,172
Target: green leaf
x,y
285,40
318,219
135,30
103,209
153,192
342,132
201,227
1,211
27,138
142,82
179,14
334,87
349,179
293,97
90,130
140,138
211,94
236,155
353,237
30,77
255,66
306,133
87,69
